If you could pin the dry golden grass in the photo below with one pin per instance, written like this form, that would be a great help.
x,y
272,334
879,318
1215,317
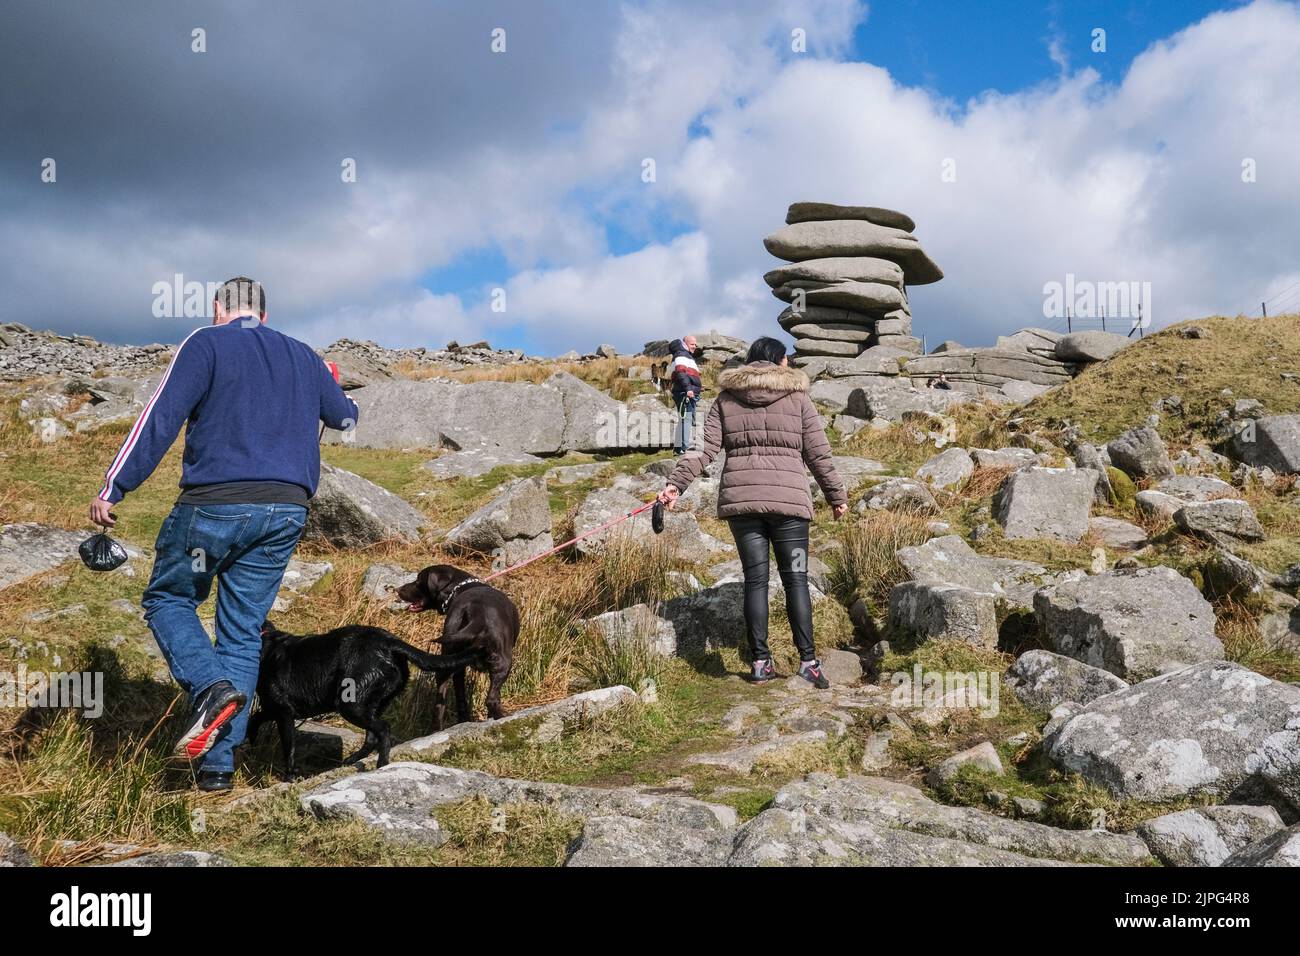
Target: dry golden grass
x,y
608,375
866,565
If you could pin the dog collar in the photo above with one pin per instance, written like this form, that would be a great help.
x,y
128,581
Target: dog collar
x,y
446,602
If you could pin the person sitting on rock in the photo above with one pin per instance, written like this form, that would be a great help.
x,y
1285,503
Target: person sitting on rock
x,y
250,399
684,374
769,428
942,382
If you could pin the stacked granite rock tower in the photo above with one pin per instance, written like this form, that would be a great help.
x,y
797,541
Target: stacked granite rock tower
x,y
847,281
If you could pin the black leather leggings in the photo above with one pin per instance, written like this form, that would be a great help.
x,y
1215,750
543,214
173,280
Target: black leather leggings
x,y
788,537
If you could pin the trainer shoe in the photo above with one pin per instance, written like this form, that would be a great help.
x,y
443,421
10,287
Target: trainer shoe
x,y
211,721
215,781
763,671
811,671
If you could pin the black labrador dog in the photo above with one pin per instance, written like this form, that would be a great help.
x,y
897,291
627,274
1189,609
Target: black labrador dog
x,y
480,621
353,671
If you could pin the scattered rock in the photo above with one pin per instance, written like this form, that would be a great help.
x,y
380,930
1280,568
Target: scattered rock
x,y
1140,453
983,756
515,525
1270,442
12,853
351,512
899,494
1207,836
1214,728
947,469
1134,623
1043,680
27,550
477,460
1280,849
950,560
1045,503
1223,519
1116,533
944,612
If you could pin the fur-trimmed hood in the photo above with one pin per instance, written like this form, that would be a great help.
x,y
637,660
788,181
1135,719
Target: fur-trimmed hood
x,y
761,383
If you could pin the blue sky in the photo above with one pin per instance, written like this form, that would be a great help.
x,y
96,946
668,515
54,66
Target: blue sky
x,y
958,51
962,48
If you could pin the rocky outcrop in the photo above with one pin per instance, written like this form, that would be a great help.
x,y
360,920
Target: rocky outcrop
x,y
351,512
846,281
1089,346
561,414
1134,623
986,370
26,354
1214,728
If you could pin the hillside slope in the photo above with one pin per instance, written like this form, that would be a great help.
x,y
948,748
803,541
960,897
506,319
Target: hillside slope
x,y
1251,357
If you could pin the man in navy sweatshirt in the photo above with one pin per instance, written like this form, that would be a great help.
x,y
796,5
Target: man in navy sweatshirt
x,y
251,400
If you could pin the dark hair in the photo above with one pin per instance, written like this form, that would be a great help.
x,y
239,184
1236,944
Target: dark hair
x,y
242,293
765,349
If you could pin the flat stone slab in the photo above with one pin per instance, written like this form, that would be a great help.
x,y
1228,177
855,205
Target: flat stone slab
x,y
477,461
743,759
27,550
542,723
399,800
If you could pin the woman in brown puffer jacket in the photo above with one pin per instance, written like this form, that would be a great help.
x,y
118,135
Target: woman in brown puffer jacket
x,y
767,425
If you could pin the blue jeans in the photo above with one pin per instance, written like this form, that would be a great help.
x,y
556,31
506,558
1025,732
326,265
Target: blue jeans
x,y
247,547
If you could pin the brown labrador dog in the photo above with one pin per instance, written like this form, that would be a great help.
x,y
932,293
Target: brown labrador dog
x,y
480,620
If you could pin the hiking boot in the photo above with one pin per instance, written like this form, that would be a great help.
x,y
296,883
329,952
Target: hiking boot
x,y
811,671
211,721
215,781
762,672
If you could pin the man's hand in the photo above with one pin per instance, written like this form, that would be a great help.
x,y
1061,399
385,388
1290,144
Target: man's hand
x,y
690,393
669,496
101,514
840,511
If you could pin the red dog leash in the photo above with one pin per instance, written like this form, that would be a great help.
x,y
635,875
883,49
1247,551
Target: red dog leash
x,y
561,547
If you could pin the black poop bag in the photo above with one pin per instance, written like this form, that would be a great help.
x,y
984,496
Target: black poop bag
x,y
99,552
657,517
